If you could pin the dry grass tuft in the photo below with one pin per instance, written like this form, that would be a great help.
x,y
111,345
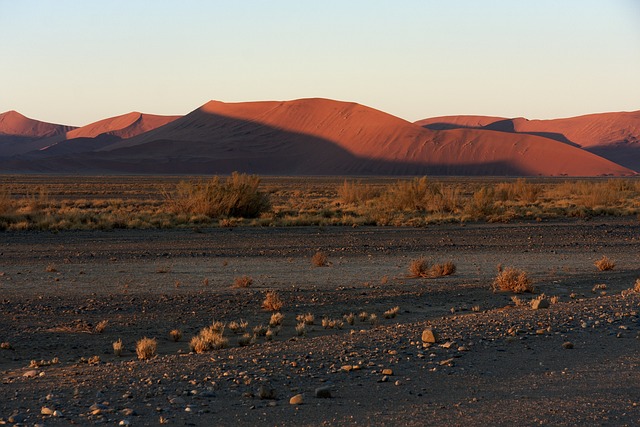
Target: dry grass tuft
x,y
513,280
209,338
146,348
320,259
238,327
260,331
301,329
101,326
118,347
242,282
363,316
373,319
636,286
176,335
350,318
272,301
421,268
246,339
391,313
51,268
5,345
604,264
276,319
439,270
307,319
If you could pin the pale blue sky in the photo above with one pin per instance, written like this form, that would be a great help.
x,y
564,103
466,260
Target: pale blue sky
x,y
77,61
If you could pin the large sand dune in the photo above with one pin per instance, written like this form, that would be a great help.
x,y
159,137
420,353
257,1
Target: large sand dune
x,y
19,134
312,137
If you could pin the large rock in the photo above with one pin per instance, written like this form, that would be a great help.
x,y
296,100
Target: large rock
x,y
539,303
429,335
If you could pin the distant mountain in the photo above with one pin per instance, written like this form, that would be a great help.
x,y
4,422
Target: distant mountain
x,y
614,136
307,137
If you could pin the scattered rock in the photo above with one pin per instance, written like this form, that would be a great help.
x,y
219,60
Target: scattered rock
x,y
539,303
429,335
387,372
296,400
323,392
30,374
17,418
57,413
46,411
568,345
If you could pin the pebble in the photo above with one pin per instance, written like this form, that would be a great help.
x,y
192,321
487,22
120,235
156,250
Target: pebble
x,y
30,374
46,411
568,345
429,335
387,372
296,400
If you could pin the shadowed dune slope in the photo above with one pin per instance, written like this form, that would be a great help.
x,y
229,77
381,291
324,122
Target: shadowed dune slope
x,y
321,136
18,134
614,136
123,127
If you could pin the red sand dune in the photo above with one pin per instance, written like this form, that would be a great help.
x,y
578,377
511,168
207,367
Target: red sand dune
x,y
321,136
615,136
13,123
124,126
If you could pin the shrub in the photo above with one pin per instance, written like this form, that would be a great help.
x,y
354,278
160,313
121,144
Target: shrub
x,y
391,313
350,318
237,196
356,193
439,270
260,330
419,267
604,264
512,279
272,301
319,259
146,348
276,319
242,282
307,318
245,340
101,326
209,338
118,347
301,329
363,316
176,335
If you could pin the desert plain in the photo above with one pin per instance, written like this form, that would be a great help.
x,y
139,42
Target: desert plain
x,y
67,295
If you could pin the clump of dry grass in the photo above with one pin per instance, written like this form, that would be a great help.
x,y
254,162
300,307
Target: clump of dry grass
x,y
519,302
209,338
604,264
350,192
236,196
373,318
260,330
276,319
513,280
146,348
307,319
599,287
176,335
238,327
350,318
363,316
51,268
272,301
242,282
118,347
5,345
391,313
246,339
421,268
101,326
301,329
636,286
320,259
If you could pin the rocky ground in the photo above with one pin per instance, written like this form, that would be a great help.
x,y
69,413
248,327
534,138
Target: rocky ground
x,y
493,363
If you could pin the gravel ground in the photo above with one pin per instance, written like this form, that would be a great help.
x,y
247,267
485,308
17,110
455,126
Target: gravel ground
x,y
494,363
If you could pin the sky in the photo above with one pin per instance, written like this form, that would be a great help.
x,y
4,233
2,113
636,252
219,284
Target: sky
x,y
77,61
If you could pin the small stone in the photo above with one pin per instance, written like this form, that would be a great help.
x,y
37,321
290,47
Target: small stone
x,y
448,344
127,412
398,382
46,411
57,413
539,303
447,362
387,372
568,345
347,368
30,374
124,423
177,401
540,331
429,335
17,418
384,379
296,400
98,407
323,392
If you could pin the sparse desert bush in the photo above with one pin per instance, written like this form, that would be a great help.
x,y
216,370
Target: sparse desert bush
x,y
419,267
307,319
242,282
604,264
101,326
599,287
146,348
325,322
363,316
417,194
176,335
439,270
118,347
301,329
373,318
520,190
237,196
238,327
319,259
350,318
5,345
513,280
636,286
276,319
51,268
391,313
356,192
269,335
260,330
209,338
272,301
517,301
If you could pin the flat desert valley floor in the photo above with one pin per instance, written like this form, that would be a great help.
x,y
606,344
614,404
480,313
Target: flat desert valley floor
x,y
494,363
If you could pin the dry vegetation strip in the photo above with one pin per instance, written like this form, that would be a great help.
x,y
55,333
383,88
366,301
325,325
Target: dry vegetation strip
x,y
58,203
